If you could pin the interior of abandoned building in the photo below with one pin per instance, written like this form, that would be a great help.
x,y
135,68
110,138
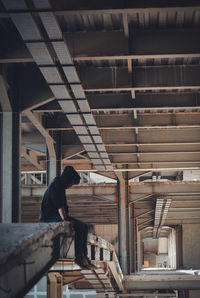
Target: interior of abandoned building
x,y
112,89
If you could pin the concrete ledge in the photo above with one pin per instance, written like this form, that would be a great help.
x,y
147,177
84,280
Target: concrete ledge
x,y
27,251
166,281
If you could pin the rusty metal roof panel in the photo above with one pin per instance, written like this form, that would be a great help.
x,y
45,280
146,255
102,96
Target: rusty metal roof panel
x,y
90,22
155,18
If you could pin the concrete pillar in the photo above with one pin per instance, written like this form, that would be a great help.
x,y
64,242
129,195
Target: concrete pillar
x,y
134,241
54,162
179,247
50,167
16,168
131,240
123,229
10,158
58,148
6,167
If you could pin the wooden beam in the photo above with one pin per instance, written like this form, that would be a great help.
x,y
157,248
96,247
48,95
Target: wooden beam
x,y
31,157
35,106
133,93
120,177
49,140
157,162
70,151
129,61
54,285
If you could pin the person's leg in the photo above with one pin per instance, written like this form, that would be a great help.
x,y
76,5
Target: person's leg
x,y
81,235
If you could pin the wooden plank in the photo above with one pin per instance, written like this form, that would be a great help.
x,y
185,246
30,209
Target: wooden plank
x,y
129,62
31,157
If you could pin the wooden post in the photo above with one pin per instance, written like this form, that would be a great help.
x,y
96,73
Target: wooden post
x,y
54,285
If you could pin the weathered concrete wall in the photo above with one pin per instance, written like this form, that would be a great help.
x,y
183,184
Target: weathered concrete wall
x,y
191,244
162,245
150,245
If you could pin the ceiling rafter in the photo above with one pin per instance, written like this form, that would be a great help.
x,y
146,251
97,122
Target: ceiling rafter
x,y
91,141
32,157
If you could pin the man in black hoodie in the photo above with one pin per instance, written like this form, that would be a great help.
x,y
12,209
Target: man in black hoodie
x,y
54,209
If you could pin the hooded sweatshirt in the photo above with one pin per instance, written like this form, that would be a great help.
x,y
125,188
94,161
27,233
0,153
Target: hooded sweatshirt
x,y
54,197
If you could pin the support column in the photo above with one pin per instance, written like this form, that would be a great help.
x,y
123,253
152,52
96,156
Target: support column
x,y
6,167
179,247
132,239
16,168
54,161
10,158
58,152
54,285
123,229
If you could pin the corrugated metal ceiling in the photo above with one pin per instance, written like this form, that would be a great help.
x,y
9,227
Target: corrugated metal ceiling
x,y
143,20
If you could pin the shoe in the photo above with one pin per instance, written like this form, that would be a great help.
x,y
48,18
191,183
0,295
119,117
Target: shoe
x,y
82,262
90,263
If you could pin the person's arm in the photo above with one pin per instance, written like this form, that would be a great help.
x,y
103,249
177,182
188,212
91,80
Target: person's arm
x,y
58,200
62,213
64,218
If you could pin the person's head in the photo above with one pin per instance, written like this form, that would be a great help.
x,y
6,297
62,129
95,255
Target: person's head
x,y
70,177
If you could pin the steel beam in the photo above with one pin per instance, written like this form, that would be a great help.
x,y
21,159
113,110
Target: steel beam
x,y
142,78
143,44
143,101
126,122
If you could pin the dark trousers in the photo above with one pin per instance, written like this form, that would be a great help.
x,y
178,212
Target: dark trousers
x,y
81,234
